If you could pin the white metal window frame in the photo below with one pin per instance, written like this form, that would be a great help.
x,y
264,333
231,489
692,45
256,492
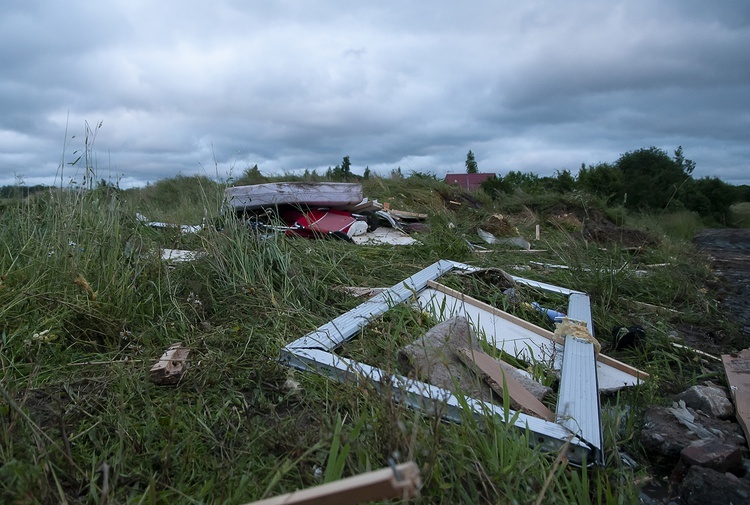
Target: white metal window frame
x,y
578,412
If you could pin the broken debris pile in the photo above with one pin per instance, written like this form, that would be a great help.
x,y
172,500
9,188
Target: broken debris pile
x,y
321,209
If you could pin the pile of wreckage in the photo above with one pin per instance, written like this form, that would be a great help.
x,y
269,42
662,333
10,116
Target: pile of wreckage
x,y
322,209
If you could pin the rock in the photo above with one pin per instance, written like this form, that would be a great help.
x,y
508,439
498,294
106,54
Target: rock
x,y
432,358
712,454
711,399
704,486
664,436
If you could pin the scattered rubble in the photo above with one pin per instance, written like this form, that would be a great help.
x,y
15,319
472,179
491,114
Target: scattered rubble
x,y
323,209
702,486
708,398
701,450
498,225
667,431
181,255
517,242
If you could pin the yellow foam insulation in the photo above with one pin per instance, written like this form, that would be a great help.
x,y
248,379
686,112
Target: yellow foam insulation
x,y
577,330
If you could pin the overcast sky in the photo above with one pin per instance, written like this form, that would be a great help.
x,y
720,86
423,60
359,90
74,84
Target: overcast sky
x,y
186,86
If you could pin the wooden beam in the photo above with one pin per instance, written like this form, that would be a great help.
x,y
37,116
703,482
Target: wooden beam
x,y
737,368
169,368
619,365
491,372
401,482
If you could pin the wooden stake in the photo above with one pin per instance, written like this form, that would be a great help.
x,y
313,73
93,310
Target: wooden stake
x,y
402,481
492,373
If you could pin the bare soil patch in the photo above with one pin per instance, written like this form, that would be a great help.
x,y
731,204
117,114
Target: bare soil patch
x,y
595,226
728,252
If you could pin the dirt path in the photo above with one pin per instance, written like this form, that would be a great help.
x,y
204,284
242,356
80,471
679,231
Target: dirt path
x,y
728,251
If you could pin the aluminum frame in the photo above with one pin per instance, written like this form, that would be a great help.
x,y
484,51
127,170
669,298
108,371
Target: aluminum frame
x,y
578,414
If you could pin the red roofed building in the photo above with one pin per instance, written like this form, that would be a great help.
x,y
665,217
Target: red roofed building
x,y
469,182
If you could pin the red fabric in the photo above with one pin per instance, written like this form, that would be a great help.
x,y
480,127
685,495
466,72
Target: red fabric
x,y
318,221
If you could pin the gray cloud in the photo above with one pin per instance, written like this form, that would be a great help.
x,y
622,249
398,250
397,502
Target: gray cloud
x,y
538,86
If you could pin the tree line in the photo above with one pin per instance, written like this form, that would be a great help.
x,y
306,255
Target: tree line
x,y
646,179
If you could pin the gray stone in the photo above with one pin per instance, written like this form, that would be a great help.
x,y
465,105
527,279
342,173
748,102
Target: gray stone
x,y
710,398
432,358
712,454
664,436
704,486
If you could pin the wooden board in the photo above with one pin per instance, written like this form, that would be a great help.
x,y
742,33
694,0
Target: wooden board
x,y
169,368
407,216
601,358
402,481
491,372
737,368
314,194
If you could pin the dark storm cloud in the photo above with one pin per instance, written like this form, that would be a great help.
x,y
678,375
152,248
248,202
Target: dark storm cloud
x,y
184,86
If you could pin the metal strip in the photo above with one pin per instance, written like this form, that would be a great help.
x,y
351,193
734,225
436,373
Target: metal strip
x,y
343,328
434,400
515,340
579,309
543,285
578,397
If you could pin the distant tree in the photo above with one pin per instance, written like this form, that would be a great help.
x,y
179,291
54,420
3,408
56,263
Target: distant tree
x,y
471,164
604,180
686,165
346,168
252,175
366,175
561,182
511,182
342,172
651,178
709,197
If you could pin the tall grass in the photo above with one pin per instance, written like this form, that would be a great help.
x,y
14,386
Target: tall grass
x,y
739,215
87,305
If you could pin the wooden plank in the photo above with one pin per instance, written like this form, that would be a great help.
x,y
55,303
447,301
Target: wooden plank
x,y
490,371
401,482
737,368
601,358
328,194
169,368
407,216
